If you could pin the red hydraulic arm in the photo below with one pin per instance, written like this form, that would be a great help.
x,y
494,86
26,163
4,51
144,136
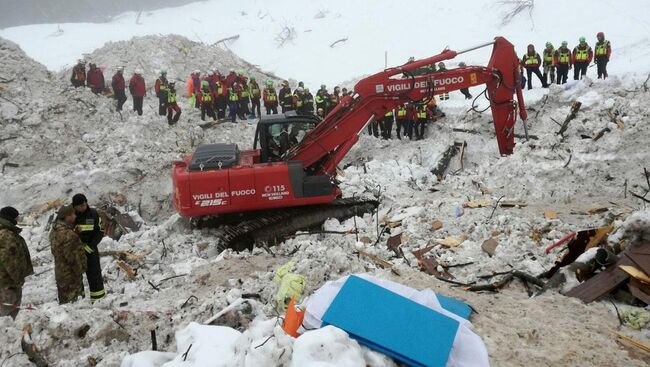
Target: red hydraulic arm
x,y
327,144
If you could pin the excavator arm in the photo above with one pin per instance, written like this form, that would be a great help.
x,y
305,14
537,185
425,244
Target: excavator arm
x,y
326,145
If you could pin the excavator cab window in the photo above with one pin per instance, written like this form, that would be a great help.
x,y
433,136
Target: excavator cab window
x,y
276,134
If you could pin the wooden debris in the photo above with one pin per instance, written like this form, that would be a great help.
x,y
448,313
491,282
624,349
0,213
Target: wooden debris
x,y
365,240
478,203
430,265
484,190
635,273
450,241
550,214
54,204
394,242
490,246
379,261
513,203
593,211
28,346
600,134
123,255
436,225
616,120
631,341
639,290
443,163
419,253
492,287
575,107
128,269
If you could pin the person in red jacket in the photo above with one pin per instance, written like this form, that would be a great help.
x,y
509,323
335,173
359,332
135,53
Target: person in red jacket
x,y
532,61
582,56
78,78
221,92
138,90
95,79
562,60
173,110
119,85
231,78
603,52
270,97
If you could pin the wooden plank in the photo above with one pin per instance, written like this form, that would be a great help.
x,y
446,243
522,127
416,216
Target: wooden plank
x,y
602,283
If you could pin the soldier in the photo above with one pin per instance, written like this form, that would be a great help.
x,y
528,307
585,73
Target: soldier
x,y
15,263
69,259
89,226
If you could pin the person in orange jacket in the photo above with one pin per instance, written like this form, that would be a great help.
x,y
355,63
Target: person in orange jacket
x,y
582,56
603,52
532,61
563,62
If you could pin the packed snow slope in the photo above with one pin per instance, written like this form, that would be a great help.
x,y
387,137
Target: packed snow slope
x,y
371,28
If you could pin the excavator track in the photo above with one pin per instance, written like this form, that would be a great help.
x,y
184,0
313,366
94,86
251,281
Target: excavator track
x,y
271,226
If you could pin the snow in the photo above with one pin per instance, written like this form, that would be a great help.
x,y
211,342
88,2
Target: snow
x,y
402,29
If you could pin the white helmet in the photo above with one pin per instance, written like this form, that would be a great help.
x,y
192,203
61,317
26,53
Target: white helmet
x,y
300,89
197,71
120,68
138,71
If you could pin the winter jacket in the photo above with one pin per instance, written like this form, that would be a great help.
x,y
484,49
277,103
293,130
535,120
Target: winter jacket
x,y
582,54
562,56
95,79
548,57
118,83
78,74
603,49
161,87
270,97
137,86
255,90
69,261
531,61
90,228
15,262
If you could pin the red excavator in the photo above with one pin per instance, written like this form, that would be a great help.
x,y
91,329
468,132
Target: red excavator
x,y
288,182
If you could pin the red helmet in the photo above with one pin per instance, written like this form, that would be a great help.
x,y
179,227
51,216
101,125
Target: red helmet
x,y
600,35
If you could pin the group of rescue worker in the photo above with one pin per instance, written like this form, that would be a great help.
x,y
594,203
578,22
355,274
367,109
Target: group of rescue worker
x,y
556,63
74,239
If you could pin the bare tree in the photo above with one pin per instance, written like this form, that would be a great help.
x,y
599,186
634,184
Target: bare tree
x,y
516,7
287,34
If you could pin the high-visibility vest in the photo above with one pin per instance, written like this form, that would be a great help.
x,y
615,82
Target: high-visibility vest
x,y
548,56
389,113
171,97
271,96
298,100
255,92
582,54
601,48
401,112
530,59
244,92
232,95
563,57
422,113
207,97
219,88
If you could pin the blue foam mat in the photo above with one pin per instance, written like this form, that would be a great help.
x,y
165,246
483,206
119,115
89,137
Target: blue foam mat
x,y
392,324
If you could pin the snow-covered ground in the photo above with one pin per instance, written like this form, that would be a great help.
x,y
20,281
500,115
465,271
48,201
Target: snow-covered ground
x,y
67,140
400,29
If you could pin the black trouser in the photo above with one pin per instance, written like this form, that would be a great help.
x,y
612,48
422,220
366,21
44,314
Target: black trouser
x,y
562,73
373,129
221,106
530,72
419,128
94,274
601,64
206,108
580,69
398,128
173,107
243,107
256,107
549,69
162,103
120,96
137,104
386,127
271,109
466,93
408,129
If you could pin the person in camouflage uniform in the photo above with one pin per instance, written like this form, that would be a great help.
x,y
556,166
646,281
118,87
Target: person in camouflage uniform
x,y
15,263
69,256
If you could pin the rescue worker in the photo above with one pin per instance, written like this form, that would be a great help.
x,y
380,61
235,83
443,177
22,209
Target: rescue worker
x,y
69,257
119,85
442,68
231,78
411,119
344,92
138,90
322,98
465,91
161,87
173,109
532,61
244,98
196,88
334,100
298,100
548,63
270,98
373,128
386,125
320,113
308,102
582,56
233,102
422,115
206,101
78,78
286,98
90,227
95,79
15,262
401,120
255,96
603,52
562,60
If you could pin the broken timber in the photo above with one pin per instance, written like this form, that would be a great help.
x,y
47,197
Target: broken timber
x,y
575,107
451,151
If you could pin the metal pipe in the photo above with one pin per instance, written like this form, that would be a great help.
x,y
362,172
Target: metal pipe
x,y
475,48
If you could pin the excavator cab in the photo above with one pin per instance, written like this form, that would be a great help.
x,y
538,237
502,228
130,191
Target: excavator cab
x,y
276,134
